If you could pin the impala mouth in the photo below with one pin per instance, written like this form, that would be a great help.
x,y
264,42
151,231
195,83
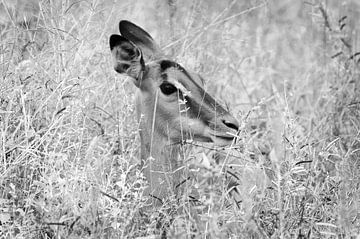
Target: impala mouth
x,y
222,140
224,137
202,139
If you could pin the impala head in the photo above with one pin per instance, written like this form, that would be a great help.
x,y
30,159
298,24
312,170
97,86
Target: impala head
x,y
182,108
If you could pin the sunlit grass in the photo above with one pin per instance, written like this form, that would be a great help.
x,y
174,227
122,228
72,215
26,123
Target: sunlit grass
x,y
69,136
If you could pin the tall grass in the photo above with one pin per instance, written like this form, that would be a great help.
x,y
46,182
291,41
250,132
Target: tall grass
x,y
288,70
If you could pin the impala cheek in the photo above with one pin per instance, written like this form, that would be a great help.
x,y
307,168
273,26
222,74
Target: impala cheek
x,y
188,128
199,131
196,127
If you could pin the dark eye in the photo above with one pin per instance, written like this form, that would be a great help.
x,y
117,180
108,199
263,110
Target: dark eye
x,y
167,88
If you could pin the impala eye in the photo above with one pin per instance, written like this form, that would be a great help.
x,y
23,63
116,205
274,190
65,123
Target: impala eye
x,y
167,88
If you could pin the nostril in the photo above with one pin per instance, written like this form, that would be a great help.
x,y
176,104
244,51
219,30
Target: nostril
x,y
231,125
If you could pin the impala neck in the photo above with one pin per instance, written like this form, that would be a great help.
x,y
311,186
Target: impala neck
x,y
161,161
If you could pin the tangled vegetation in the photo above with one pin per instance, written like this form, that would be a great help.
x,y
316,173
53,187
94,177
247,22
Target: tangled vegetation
x,y
288,70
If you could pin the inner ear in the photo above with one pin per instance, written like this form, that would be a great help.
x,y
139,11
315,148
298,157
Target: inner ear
x,y
140,38
126,49
127,57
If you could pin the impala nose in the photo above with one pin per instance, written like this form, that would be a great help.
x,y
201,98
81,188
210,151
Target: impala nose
x,y
230,122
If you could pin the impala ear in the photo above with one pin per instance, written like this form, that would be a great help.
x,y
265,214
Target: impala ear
x,y
140,38
127,58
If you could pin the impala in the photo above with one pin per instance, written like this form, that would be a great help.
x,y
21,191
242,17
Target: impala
x,y
172,107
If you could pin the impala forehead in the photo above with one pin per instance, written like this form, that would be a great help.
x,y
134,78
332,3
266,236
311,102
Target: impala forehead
x,y
181,87
174,73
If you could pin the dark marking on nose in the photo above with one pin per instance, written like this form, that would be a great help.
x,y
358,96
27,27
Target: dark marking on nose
x,y
233,125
